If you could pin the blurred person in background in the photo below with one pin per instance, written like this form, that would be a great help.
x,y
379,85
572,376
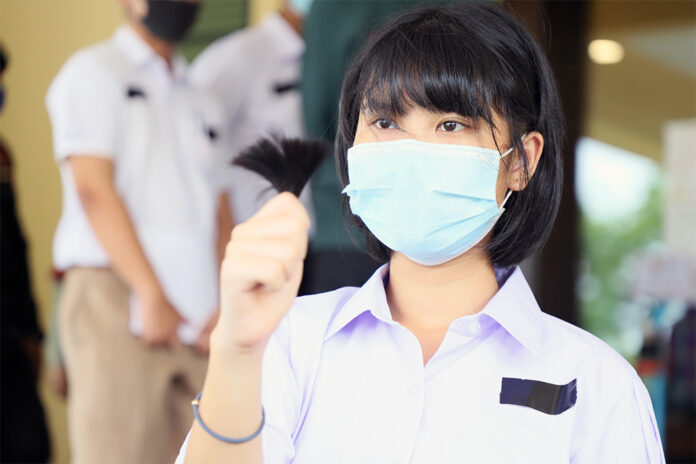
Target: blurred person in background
x,y
23,425
255,74
141,230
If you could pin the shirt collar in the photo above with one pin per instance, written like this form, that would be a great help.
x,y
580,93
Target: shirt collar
x,y
513,307
287,42
140,53
370,297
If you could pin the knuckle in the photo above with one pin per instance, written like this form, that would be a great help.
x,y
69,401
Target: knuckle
x,y
244,229
302,214
236,231
293,251
296,225
306,222
231,254
277,272
302,221
302,247
287,250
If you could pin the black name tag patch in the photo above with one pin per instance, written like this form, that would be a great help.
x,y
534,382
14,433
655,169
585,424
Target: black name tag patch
x,y
283,87
548,398
135,92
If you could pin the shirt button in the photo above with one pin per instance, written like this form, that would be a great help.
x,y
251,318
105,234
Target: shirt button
x,y
475,327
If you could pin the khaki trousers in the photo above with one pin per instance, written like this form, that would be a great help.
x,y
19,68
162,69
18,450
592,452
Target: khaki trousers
x,y
127,403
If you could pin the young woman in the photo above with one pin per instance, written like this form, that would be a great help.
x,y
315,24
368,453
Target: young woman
x,y
449,148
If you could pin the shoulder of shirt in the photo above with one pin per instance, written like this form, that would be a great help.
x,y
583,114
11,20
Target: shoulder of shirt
x,y
322,304
228,52
607,384
91,65
95,57
311,314
588,354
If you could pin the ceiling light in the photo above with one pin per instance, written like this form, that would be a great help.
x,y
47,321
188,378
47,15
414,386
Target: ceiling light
x,y
604,51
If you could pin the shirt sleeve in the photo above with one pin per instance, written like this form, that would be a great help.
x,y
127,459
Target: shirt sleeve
x,y
280,399
81,104
626,433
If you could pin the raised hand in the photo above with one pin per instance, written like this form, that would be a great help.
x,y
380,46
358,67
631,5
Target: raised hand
x,y
261,274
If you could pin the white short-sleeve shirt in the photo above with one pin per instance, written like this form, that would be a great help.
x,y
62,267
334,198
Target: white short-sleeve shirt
x,y
255,73
344,383
119,100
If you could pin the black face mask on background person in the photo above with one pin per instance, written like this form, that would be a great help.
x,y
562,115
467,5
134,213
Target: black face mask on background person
x,y
170,20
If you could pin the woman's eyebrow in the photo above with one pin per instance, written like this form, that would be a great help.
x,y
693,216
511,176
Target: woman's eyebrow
x,y
453,115
369,110
372,114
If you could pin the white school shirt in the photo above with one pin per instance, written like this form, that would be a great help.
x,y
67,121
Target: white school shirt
x,y
255,73
118,100
344,383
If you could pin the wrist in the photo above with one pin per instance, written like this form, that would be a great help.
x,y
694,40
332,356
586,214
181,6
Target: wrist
x,y
150,292
222,347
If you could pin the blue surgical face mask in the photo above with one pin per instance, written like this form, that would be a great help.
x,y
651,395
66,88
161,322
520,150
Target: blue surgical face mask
x,y
430,201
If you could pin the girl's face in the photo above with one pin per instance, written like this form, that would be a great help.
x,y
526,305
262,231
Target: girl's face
x,y
452,128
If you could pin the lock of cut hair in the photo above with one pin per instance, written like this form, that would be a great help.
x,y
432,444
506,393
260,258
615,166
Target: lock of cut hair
x,y
287,163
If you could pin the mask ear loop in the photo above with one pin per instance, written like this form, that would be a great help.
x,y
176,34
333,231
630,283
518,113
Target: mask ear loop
x,y
502,205
509,192
507,152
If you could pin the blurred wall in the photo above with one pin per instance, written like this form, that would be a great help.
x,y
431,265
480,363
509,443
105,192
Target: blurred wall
x,y
39,36
260,8
629,102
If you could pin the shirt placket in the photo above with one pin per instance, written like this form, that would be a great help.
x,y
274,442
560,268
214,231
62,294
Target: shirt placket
x,y
414,395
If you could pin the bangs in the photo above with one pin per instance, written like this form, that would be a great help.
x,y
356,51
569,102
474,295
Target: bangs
x,y
435,64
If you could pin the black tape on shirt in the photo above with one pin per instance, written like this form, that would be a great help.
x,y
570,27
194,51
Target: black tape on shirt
x,y
546,397
135,92
286,87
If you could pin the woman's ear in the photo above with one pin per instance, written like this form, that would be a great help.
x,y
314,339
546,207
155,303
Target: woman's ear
x,y
533,143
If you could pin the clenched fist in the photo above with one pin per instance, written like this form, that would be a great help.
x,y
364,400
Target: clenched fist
x,y
261,274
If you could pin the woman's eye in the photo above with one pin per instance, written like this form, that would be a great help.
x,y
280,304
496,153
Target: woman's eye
x,y
384,123
451,126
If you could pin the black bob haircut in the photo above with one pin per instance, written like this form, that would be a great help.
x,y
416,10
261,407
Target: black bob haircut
x,y
474,60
